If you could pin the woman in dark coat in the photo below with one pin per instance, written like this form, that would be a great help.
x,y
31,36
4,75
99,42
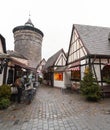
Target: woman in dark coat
x,y
18,84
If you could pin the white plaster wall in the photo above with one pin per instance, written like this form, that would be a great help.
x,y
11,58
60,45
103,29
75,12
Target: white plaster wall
x,y
1,78
1,47
96,66
67,77
60,84
66,80
97,70
82,68
1,75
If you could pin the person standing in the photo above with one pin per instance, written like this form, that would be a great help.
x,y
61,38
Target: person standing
x,y
18,84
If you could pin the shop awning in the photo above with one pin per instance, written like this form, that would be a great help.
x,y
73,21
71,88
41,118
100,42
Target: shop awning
x,y
22,65
107,64
74,66
73,69
4,55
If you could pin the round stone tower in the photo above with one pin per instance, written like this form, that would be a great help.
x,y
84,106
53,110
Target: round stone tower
x,y
28,42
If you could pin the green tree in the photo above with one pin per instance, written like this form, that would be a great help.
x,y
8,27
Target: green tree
x,y
89,87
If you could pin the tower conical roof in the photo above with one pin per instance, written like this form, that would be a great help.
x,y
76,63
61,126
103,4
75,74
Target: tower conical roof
x,y
29,23
28,26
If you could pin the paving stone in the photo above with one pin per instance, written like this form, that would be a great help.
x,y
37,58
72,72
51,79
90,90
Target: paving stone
x,y
53,110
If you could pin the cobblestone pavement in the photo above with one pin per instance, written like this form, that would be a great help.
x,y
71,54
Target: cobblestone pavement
x,y
53,109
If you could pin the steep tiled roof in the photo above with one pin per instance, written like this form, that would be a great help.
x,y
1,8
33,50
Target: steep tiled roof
x,y
52,59
94,38
15,54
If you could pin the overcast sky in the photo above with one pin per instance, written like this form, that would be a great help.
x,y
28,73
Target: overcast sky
x,y
53,17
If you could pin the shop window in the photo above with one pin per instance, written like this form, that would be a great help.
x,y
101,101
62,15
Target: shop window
x,y
75,75
10,76
58,76
106,73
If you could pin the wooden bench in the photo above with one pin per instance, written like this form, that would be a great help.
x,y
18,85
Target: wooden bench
x,y
105,91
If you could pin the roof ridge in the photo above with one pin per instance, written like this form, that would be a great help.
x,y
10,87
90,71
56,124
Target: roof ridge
x,y
91,25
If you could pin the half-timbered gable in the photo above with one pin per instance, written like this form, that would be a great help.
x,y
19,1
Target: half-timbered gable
x,y
41,65
40,69
61,60
76,48
89,47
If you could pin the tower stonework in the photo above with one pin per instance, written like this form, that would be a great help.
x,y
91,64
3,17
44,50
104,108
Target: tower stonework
x,y
28,42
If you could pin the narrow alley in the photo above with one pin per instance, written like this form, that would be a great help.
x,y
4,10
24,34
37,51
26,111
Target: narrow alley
x,y
53,109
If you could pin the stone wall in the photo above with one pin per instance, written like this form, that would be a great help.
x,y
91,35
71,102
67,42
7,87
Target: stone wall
x,y
29,44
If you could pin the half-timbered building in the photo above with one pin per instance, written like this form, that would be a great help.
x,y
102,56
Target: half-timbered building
x,y
17,63
54,70
89,47
39,69
3,55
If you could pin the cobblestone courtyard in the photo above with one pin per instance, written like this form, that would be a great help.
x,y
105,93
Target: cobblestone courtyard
x,y
53,109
